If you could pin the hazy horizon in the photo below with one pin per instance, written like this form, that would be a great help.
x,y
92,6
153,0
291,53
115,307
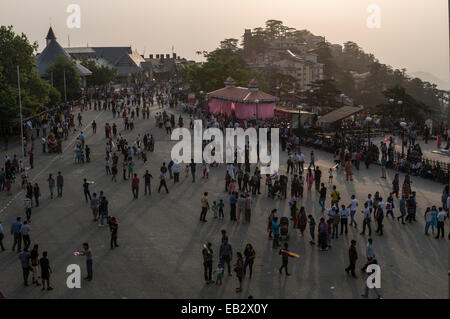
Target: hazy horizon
x,y
413,35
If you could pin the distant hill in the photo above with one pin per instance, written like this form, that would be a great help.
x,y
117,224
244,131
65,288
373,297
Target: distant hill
x,y
425,76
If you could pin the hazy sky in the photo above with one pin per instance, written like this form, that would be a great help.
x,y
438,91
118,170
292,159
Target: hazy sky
x,y
413,33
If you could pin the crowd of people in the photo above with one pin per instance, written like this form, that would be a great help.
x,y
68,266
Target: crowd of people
x,y
243,183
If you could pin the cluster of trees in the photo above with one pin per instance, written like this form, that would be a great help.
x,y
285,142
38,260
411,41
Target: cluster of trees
x,y
372,92
382,82
37,93
16,50
221,63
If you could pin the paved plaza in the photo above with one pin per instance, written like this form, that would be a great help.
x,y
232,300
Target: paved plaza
x,y
161,238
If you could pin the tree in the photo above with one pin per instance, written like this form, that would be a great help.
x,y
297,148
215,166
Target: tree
x,y
101,74
64,65
219,65
229,44
16,50
324,93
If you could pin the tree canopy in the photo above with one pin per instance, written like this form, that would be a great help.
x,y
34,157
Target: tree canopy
x,y
16,50
220,64
64,65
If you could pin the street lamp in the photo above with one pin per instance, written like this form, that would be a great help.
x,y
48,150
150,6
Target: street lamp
x,y
299,109
256,101
368,120
342,98
403,125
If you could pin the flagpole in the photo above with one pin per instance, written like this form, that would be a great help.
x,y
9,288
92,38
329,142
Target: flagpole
x,y
65,93
20,108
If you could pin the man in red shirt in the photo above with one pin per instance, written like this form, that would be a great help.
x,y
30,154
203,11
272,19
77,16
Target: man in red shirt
x,y
135,186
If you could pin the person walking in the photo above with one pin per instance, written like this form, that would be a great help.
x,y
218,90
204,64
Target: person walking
x,y
147,179
95,204
36,193
207,253
24,258
366,221
135,186
379,216
205,207
275,232
162,181
238,268
226,254
51,184
25,233
323,195
370,255
86,190
34,258
88,253
15,231
344,213
441,217
284,259
114,227
249,254
353,256
59,184
44,263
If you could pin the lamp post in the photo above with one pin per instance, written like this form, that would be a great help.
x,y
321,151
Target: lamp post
x,y
342,99
403,125
299,109
368,120
256,101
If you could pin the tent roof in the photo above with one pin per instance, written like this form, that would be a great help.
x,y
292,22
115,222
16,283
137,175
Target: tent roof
x,y
340,114
243,95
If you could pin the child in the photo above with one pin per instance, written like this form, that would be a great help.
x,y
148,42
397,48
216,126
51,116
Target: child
x,y
215,208
221,206
205,170
219,274
330,178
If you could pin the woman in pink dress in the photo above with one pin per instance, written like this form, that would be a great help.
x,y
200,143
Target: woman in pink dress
x,y
309,179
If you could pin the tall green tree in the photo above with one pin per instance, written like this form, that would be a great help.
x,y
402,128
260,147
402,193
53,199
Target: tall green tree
x,y
16,50
64,65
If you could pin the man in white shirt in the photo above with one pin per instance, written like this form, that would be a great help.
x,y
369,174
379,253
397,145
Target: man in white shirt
x,y
441,216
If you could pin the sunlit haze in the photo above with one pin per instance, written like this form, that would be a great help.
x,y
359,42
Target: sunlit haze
x,y
413,34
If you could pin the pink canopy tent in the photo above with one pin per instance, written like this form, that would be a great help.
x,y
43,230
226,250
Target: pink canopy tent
x,y
247,103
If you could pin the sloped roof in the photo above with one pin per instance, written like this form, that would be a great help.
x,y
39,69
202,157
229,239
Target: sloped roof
x,y
340,114
109,56
242,95
47,57
83,71
50,34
